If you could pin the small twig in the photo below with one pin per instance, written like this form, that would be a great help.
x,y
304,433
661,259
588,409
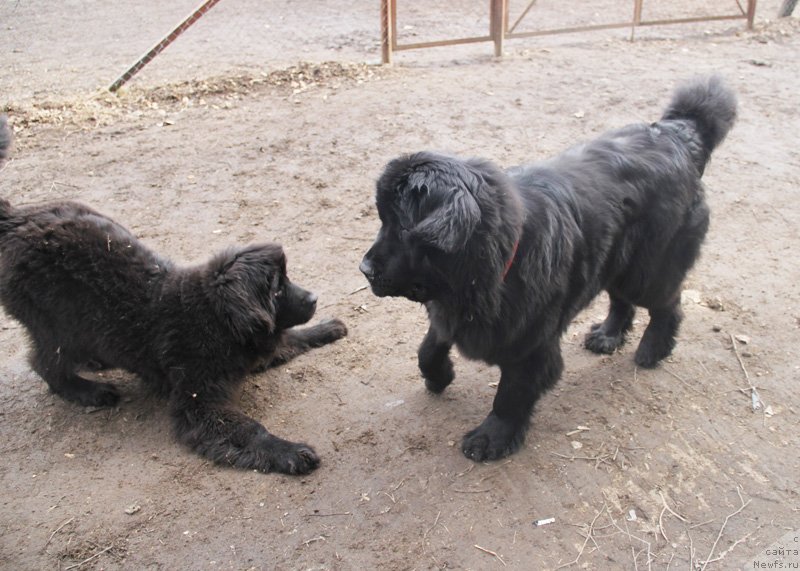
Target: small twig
x,y
722,555
362,288
661,516
754,396
586,538
329,515
59,528
308,542
490,552
682,380
724,523
472,491
434,524
89,559
596,459
631,537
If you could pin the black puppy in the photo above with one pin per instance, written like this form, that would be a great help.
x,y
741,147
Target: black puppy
x,y
504,260
88,292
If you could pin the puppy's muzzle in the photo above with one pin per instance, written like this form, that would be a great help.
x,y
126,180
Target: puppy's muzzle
x,y
367,269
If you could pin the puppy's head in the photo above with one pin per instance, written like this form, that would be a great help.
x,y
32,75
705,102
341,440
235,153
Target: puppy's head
x,y
5,139
253,295
429,211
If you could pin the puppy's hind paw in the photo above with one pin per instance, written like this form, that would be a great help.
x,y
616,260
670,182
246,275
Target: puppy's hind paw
x,y
89,393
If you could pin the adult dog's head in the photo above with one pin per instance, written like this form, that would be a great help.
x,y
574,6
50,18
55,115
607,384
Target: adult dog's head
x,y
435,212
252,293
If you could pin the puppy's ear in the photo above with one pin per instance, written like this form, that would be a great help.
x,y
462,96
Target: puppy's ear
x,y
243,283
452,223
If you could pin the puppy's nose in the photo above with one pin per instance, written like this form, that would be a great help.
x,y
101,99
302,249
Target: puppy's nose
x,y
367,269
311,299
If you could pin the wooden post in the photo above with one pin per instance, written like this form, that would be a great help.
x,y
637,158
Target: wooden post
x,y
159,47
497,24
637,17
388,28
751,13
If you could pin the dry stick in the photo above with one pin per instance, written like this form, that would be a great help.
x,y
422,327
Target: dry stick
x,y
722,555
329,515
751,387
424,535
89,559
631,537
59,528
661,515
596,459
490,553
586,539
682,380
719,535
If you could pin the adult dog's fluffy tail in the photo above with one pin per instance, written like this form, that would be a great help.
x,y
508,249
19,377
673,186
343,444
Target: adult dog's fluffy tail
x,y
710,106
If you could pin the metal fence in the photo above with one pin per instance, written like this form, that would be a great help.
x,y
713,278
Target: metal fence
x,y
500,30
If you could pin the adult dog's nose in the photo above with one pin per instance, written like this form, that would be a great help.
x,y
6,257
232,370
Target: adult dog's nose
x,y
367,269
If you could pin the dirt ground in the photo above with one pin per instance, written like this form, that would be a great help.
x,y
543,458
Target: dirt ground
x,y
229,137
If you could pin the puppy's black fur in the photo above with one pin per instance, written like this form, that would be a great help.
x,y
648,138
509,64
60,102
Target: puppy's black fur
x,y
503,261
88,292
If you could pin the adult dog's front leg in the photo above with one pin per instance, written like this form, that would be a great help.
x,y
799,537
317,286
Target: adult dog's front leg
x,y
215,430
435,363
295,342
521,384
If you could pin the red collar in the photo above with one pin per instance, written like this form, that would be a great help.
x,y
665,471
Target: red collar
x,y
511,260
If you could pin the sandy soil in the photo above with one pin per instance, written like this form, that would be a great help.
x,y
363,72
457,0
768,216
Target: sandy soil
x,y
226,138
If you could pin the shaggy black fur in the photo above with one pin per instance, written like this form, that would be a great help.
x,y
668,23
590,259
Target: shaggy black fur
x,y
89,293
503,261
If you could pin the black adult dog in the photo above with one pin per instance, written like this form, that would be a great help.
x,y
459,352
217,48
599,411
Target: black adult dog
x,y
88,292
504,260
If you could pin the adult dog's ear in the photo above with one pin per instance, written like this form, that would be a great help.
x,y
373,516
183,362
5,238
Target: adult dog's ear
x,y
243,284
455,215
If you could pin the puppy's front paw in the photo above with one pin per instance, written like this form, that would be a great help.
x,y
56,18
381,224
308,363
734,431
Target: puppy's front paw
x,y
437,375
598,341
332,329
297,458
493,439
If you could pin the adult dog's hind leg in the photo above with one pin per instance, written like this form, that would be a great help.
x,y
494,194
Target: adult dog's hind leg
x,y
211,427
658,339
434,362
57,366
608,336
503,431
295,342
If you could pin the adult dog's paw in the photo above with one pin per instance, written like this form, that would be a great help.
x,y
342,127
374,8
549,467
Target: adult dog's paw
x,y
493,439
437,375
